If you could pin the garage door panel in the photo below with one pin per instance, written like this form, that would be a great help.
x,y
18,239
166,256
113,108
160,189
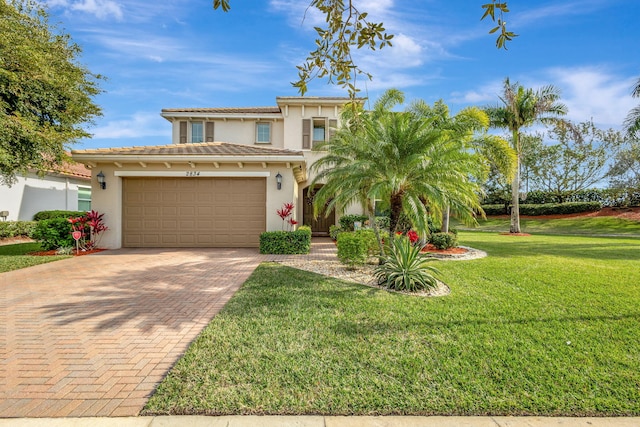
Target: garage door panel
x,y
193,212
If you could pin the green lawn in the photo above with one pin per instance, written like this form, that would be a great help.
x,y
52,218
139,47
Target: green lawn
x,y
13,257
545,325
592,226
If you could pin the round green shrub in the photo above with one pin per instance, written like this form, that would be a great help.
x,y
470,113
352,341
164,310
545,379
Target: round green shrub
x,y
444,240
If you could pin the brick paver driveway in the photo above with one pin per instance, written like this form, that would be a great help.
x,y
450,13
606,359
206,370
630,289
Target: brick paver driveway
x,y
94,335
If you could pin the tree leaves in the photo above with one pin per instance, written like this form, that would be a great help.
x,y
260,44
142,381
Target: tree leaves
x,y
45,94
349,28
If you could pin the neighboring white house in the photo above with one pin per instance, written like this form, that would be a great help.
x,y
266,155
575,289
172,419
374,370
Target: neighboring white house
x,y
220,181
66,189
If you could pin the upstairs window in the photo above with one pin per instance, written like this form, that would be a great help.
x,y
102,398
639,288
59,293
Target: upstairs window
x,y
263,133
317,130
197,132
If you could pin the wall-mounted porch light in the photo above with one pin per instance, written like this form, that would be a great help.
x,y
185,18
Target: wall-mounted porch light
x,y
279,181
101,181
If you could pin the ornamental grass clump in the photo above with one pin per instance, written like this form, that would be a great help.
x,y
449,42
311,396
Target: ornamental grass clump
x,y
405,268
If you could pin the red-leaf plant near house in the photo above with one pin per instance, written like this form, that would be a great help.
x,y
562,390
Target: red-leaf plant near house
x,y
91,225
285,213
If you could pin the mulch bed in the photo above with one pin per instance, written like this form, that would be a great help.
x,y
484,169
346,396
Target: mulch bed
x,y
79,253
451,251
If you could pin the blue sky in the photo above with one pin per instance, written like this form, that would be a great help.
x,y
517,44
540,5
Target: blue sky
x,y
183,54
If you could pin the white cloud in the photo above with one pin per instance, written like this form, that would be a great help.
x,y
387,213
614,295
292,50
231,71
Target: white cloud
x,y
593,93
140,125
486,95
590,93
102,9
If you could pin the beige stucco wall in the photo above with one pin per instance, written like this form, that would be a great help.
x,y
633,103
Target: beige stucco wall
x,y
293,116
236,131
109,201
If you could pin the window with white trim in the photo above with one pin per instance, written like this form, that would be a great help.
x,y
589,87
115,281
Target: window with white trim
x,y
263,133
84,199
197,132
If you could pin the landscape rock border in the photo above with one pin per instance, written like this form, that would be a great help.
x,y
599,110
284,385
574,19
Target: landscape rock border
x,y
364,274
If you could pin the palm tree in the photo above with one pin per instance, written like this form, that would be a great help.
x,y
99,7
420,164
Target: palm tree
x,y
469,127
521,108
407,159
632,121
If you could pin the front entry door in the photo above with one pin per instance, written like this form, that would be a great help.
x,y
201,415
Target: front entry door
x,y
319,226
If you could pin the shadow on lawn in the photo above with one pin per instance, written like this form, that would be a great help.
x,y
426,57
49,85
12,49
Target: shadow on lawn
x,y
169,292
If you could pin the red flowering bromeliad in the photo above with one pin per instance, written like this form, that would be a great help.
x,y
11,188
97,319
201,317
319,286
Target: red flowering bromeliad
x,y
285,213
412,235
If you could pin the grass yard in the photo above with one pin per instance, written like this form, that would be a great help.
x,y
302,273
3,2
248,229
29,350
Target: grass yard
x,y
592,226
546,325
14,257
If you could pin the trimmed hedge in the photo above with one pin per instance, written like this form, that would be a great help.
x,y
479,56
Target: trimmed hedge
x,y
607,197
352,248
57,214
546,209
54,233
16,228
286,242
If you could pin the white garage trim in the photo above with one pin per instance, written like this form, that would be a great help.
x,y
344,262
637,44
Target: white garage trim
x,y
192,174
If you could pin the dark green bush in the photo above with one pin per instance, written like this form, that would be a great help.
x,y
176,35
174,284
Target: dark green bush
x,y
560,208
346,221
16,228
383,222
54,233
546,209
57,214
286,242
352,248
334,230
444,240
495,209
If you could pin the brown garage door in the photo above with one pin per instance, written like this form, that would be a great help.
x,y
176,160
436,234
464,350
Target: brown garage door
x,y
193,212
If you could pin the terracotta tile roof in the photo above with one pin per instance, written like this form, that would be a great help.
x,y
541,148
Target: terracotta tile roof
x,y
203,148
73,169
226,110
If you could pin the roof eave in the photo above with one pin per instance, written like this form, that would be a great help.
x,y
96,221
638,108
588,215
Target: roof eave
x,y
170,116
184,158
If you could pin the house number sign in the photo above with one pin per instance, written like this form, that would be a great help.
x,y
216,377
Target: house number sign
x,y
193,173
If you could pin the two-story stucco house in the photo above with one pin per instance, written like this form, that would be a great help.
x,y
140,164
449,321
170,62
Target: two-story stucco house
x,y
220,181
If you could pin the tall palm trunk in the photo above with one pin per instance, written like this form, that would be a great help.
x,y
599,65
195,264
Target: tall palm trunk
x,y
445,220
515,191
395,212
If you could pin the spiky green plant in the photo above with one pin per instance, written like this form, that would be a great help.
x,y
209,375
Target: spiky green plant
x,y
405,268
